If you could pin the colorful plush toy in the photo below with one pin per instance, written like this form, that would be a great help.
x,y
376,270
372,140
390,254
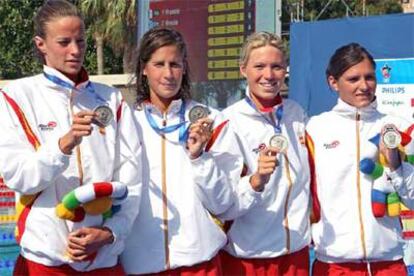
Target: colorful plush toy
x,y
384,198
101,199
90,205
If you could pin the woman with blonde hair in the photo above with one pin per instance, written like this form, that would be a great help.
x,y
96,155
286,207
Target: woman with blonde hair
x,y
271,235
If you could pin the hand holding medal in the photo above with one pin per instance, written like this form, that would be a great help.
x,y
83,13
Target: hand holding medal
x,y
81,127
390,141
199,131
390,136
104,116
197,112
279,142
266,165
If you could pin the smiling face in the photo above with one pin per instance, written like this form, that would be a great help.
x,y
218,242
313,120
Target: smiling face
x,y
63,47
356,86
265,72
164,72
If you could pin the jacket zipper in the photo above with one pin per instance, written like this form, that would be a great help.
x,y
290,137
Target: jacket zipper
x,y
77,148
358,181
286,205
164,196
286,219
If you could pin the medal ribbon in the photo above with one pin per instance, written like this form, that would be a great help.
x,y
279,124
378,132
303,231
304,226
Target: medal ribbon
x,y
183,134
278,115
58,81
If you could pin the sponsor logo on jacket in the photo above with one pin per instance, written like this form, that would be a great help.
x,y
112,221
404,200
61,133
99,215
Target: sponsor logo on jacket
x,y
48,127
331,145
262,146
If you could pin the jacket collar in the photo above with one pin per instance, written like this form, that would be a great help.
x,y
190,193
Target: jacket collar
x,y
82,83
254,111
173,108
346,110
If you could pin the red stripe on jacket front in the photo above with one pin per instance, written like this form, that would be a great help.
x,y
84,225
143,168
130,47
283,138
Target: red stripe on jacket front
x,y
316,207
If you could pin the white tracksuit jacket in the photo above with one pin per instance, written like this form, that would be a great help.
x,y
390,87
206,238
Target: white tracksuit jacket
x,y
111,157
277,222
347,230
179,230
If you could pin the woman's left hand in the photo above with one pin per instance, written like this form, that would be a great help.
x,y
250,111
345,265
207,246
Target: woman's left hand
x,y
198,136
85,242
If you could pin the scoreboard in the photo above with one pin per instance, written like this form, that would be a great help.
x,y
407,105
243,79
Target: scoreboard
x,y
214,31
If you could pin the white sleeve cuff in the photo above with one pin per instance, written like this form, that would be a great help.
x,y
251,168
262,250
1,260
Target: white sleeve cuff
x,y
247,189
52,147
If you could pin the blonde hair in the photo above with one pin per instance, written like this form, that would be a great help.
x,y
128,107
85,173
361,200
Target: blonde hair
x,y
257,40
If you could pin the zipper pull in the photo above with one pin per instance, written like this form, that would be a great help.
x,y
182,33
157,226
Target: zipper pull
x,y
164,119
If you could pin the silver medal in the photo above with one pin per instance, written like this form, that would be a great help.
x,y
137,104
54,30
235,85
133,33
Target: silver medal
x,y
197,112
279,142
104,115
391,137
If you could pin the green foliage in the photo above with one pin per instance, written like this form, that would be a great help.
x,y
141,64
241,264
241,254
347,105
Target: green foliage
x,y
384,7
338,9
113,61
115,21
17,57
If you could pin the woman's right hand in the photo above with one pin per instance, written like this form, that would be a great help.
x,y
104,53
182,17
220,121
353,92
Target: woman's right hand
x,y
81,126
392,155
267,164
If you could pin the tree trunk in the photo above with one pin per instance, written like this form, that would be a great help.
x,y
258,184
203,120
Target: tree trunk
x,y
99,54
128,60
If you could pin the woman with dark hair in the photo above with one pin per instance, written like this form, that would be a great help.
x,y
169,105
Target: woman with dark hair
x,y
66,150
359,174
187,170
155,40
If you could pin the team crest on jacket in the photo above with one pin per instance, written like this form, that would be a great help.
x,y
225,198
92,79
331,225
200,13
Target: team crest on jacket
x,y
48,127
331,145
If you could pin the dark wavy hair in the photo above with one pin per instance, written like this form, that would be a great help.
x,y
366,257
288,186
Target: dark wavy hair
x,y
346,57
153,40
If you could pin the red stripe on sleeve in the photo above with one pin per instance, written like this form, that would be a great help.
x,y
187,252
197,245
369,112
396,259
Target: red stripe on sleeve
x,y
119,111
216,133
23,213
22,217
31,137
